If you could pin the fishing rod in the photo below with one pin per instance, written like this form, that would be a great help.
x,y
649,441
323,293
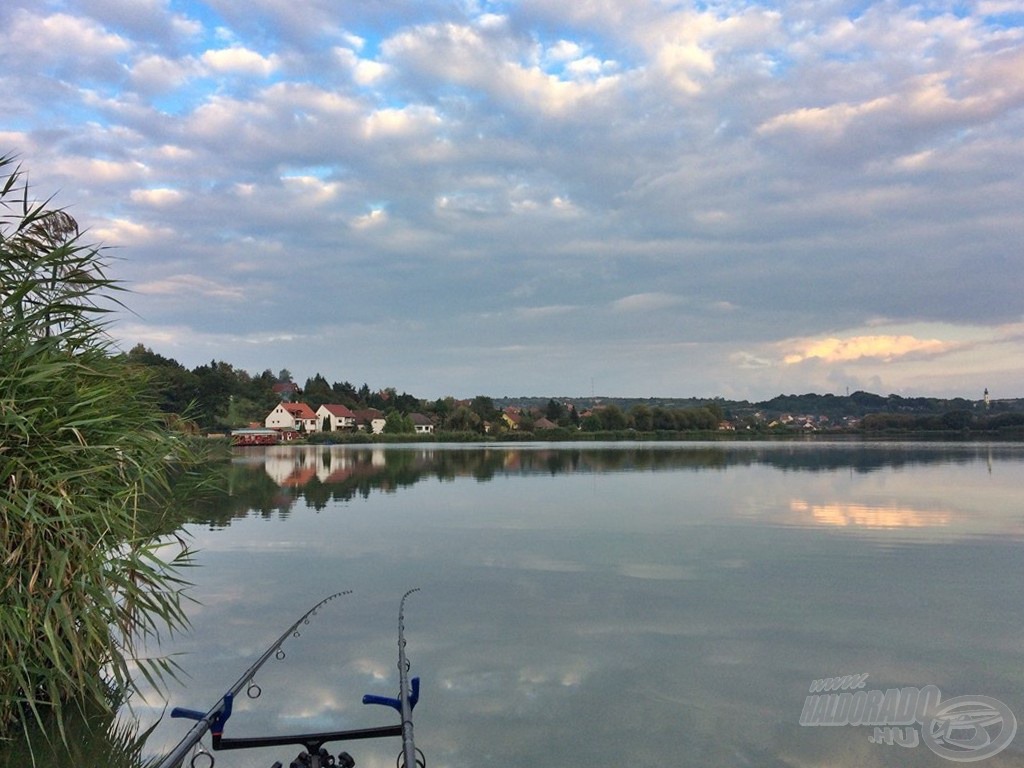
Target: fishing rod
x,y
407,697
214,719
315,755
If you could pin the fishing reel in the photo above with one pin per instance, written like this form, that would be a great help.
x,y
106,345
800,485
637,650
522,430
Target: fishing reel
x,y
324,759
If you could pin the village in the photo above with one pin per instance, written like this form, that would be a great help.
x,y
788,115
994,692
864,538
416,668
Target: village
x,y
290,421
293,419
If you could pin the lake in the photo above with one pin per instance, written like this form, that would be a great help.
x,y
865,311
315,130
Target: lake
x,y
616,604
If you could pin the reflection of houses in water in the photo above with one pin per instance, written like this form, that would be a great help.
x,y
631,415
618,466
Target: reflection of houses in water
x,y
298,478
287,464
293,466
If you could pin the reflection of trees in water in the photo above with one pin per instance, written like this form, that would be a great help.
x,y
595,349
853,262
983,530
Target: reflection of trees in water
x,y
324,475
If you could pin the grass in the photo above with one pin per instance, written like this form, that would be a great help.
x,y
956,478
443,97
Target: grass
x,y
86,576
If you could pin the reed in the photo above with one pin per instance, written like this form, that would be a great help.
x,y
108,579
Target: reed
x,y
87,574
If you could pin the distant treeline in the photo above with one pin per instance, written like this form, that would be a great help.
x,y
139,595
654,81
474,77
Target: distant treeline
x,y
951,421
217,397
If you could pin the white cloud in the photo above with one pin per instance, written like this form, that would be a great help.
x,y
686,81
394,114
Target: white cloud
x,y
156,197
464,56
564,51
239,60
401,122
59,36
125,233
95,170
311,189
886,348
154,73
365,72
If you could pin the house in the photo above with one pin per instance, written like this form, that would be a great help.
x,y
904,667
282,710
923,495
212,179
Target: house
x,y
296,416
512,417
544,423
370,419
421,424
334,418
286,390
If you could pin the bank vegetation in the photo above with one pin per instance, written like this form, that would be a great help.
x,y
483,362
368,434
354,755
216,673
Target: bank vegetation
x,y
90,564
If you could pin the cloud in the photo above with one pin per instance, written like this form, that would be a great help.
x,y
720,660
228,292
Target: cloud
x,y
754,177
60,37
882,347
239,60
748,360
645,302
479,60
156,197
160,74
373,218
127,233
401,122
364,72
545,313
191,286
143,18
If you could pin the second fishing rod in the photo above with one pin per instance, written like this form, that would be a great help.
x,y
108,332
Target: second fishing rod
x,y
315,756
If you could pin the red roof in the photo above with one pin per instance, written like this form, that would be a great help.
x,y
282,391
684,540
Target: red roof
x,y
341,411
299,410
369,414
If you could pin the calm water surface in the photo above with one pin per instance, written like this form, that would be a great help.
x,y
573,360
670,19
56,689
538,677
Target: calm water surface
x,y
653,605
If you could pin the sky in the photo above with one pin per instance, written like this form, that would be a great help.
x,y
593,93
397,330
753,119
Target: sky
x,y
621,198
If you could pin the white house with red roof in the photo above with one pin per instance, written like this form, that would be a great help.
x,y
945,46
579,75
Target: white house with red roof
x,y
297,416
337,417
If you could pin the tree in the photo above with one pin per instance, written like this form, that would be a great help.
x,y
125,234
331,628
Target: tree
x,y
483,407
172,384
612,418
345,394
555,411
662,419
574,416
396,423
317,392
642,418
463,419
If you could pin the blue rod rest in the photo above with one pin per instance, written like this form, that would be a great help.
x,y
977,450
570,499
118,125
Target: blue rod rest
x,y
395,704
217,726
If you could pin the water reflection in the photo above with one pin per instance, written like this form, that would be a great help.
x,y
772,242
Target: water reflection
x,y
609,605
271,481
866,516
